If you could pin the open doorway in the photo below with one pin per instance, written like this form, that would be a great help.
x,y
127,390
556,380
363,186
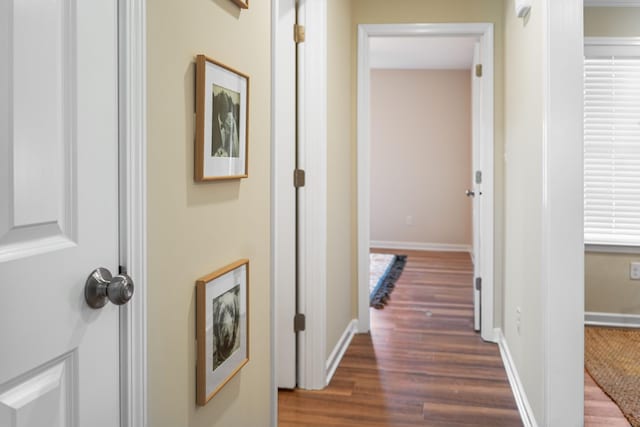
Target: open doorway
x,y
611,223
480,175
421,158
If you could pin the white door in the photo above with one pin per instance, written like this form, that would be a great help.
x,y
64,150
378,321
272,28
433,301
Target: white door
x,y
476,187
58,212
284,194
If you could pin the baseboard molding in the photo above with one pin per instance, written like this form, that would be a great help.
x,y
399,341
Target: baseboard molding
x,y
526,413
419,246
341,347
612,319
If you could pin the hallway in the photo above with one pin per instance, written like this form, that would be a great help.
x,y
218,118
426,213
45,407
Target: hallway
x,y
422,364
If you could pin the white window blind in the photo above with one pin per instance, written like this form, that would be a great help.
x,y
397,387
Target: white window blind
x,y
612,150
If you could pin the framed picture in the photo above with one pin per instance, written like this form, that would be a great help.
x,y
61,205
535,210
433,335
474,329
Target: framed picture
x,y
222,327
242,3
222,121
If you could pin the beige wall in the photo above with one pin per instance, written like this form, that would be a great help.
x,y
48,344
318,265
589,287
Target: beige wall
x,y
194,228
421,156
608,288
340,262
523,198
445,11
611,21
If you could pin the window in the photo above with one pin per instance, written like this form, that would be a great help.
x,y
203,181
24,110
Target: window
x,y
612,142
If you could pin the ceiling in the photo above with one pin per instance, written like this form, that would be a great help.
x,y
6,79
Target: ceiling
x,y
442,53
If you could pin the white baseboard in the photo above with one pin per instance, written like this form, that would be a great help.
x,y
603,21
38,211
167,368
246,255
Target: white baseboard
x,y
341,347
526,413
612,319
419,246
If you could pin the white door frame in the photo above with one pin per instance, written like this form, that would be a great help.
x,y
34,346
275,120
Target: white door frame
x,y
283,197
562,243
312,198
484,31
133,209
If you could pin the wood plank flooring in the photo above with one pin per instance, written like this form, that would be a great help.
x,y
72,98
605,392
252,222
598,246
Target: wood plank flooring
x,y
599,409
422,364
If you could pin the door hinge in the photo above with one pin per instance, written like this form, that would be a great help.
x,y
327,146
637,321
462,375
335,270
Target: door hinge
x,y
478,70
299,178
299,322
478,177
298,33
478,283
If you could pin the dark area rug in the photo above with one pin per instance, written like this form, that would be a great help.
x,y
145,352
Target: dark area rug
x,y
385,269
612,358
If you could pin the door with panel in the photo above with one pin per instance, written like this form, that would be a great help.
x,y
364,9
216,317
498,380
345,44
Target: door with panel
x,y
59,358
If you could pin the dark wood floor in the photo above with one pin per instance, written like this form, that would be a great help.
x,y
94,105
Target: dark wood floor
x,y
423,365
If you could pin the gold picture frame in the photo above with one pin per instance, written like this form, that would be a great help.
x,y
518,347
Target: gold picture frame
x,y
222,328
222,121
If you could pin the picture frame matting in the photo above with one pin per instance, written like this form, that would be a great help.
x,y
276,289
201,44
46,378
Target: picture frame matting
x,y
222,121
222,328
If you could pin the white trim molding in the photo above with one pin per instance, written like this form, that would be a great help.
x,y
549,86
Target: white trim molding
x,y
283,194
133,224
419,246
562,229
611,3
312,198
340,349
615,320
611,249
519,394
484,33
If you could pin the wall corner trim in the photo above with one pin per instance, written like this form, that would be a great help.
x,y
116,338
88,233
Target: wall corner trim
x,y
133,199
340,349
526,413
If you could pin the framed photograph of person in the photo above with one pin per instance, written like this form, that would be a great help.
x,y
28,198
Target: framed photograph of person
x,y
222,121
222,327
244,4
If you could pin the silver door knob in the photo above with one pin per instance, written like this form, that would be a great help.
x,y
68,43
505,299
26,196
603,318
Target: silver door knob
x,y
469,193
101,287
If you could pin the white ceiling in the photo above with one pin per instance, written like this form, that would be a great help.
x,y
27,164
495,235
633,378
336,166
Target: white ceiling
x,y
442,53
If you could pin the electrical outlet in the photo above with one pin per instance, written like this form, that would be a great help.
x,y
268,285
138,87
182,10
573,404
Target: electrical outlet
x,y
409,220
634,271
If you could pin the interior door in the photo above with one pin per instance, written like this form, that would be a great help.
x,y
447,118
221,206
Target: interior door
x,y
284,194
476,185
59,358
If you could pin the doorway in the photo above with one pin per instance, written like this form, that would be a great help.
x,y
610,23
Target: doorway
x,y
483,119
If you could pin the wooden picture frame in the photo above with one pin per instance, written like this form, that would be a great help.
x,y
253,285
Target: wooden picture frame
x,y
243,4
222,121
222,328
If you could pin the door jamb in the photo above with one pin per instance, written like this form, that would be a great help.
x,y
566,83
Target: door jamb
x,y
133,209
562,236
485,33
312,198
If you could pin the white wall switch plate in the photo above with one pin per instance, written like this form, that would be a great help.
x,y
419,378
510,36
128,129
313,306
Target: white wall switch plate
x,y
634,271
